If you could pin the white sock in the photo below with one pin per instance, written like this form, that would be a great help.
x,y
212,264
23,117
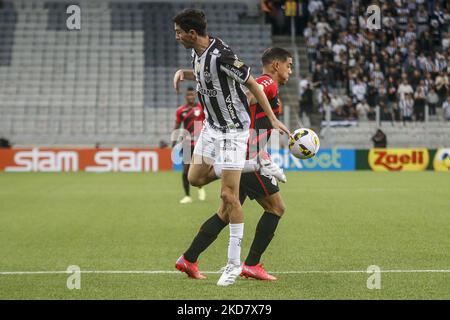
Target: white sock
x,y
234,245
250,166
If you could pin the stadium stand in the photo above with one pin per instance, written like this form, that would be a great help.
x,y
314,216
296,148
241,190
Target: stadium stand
x,y
356,70
111,81
351,60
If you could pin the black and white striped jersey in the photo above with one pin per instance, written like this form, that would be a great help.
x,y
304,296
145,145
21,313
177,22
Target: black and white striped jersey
x,y
220,74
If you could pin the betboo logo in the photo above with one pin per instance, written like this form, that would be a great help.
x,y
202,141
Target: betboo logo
x,y
398,159
90,160
325,159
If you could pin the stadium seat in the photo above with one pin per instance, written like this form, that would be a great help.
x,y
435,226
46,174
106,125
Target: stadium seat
x,y
101,81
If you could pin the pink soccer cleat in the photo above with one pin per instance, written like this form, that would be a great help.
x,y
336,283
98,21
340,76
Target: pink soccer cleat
x,y
191,269
256,272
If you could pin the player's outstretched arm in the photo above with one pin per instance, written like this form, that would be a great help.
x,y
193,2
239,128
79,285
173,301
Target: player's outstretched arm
x,y
181,75
258,93
251,98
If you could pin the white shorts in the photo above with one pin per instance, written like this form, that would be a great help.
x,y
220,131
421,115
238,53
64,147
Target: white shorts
x,y
228,150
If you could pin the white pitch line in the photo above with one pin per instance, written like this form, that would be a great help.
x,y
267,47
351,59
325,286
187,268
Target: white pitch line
x,y
6,273
361,271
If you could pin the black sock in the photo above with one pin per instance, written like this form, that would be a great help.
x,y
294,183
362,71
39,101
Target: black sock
x,y
265,230
207,234
186,183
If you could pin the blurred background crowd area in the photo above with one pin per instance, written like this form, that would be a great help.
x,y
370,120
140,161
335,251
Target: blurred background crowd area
x,y
402,67
110,83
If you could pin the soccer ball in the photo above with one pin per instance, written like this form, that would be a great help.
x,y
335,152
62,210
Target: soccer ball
x,y
304,143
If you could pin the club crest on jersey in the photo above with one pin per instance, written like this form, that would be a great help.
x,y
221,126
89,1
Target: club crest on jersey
x,y
238,63
196,112
207,76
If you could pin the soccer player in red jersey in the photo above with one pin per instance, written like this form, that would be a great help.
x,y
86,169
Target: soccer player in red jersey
x,y
191,116
277,66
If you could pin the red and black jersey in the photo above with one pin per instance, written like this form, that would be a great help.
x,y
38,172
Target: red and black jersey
x,y
259,122
189,116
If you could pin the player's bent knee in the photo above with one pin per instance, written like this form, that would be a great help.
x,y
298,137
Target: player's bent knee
x,y
195,180
229,198
279,209
192,179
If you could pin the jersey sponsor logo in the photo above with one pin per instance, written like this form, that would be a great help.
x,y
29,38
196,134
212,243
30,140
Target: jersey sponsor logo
x,y
230,108
237,72
208,92
398,159
267,82
233,73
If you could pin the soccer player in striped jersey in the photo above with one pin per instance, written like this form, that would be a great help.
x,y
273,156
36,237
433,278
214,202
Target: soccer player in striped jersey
x,y
191,116
277,66
220,75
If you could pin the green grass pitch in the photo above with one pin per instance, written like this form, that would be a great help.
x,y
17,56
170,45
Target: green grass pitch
x,y
124,222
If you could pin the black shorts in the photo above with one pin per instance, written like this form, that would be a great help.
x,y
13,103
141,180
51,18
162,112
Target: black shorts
x,y
256,186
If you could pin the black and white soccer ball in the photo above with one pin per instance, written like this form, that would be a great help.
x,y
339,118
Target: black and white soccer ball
x,y
304,143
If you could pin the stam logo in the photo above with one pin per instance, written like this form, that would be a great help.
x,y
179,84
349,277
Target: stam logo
x,y
90,160
116,160
36,160
399,159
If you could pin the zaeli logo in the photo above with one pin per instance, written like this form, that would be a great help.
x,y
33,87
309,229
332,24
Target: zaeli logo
x,y
398,159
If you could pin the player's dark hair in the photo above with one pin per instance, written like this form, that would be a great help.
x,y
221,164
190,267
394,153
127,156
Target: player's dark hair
x,y
274,53
190,89
191,19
